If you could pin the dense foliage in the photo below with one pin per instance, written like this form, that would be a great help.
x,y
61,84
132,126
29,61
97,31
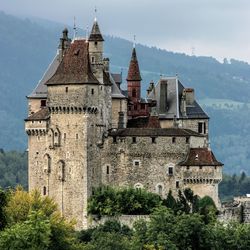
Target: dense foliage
x,y
166,230
33,223
111,201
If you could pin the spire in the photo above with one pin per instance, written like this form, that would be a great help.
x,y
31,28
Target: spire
x,y
134,70
95,34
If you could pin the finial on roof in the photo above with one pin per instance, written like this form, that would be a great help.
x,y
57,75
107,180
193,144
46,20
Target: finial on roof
x,y
95,14
65,33
134,41
75,29
87,33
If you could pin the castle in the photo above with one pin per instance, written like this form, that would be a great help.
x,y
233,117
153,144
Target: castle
x,y
85,131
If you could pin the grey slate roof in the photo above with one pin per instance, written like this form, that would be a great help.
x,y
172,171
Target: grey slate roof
x,y
40,90
173,101
116,92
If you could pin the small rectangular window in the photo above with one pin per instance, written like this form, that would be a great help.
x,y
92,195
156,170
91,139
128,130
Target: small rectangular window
x,y
92,91
66,89
187,140
188,167
153,140
43,103
170,171
134,139
205,129
136,163
177,184
200,167
107,169
92,59
77,136
173,139
200,127
114,139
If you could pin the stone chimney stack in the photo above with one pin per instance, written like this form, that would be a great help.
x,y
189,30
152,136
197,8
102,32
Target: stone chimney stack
x,y
106,64
189,92
163,95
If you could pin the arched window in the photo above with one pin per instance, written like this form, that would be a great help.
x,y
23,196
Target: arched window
x,y
47,164
61,171
57,135
138,186
133,92
159,189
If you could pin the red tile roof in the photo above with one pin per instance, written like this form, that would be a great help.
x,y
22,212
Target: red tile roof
x,y
134,71
201,157
75,66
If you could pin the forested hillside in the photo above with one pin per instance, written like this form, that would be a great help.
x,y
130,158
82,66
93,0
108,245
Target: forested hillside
x,y
27,47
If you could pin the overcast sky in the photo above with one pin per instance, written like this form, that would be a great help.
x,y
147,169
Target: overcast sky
x,y
219,28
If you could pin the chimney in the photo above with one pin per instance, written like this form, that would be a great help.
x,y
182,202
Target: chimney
x,y
183,104
189,96
106,64
163,95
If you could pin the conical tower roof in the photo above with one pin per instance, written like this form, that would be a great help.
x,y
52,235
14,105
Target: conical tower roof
x,y
134,70
95,34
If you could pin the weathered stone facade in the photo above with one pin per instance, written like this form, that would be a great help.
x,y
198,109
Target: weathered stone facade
x,y
79,139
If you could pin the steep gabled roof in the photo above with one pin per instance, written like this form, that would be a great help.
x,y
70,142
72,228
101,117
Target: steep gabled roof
x,y
115,91
200,157
95,34
134,70
41,89
75,66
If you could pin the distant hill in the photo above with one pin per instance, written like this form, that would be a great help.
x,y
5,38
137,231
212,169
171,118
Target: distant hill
x,y
28,46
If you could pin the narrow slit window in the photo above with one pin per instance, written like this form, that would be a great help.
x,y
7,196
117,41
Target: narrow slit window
x,y
92,91
134,139
200,127
107,169
44,190
177,184
153,140
170,171
66,89
173,139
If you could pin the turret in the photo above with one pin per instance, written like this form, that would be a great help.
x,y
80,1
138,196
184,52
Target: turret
x,y
134,79
96,51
